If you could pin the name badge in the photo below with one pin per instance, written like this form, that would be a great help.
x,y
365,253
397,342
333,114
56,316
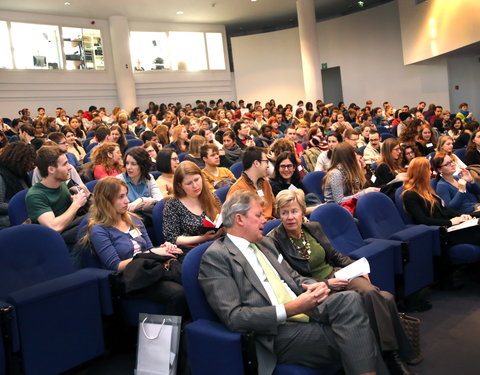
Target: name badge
x,y
260,192
300,168
280,258
292,187
134,233
374,178
429,144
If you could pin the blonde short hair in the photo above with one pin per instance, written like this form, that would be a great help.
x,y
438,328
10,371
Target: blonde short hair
x,y
288,196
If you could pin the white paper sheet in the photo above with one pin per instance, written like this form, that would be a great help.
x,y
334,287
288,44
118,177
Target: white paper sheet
x,y
356,269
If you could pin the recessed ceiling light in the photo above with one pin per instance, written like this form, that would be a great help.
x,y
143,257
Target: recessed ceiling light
x,y
253,1
180,12
67,3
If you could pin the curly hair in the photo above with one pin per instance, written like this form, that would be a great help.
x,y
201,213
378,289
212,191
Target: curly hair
x,y
100,156
18,157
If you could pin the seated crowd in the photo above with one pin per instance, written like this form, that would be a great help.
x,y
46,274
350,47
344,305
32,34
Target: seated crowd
x,y
183,155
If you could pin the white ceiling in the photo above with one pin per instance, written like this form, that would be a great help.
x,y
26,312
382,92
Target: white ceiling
x,y
237,15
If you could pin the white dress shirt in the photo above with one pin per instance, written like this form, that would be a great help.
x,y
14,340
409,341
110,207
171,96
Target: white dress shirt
x,y
244,246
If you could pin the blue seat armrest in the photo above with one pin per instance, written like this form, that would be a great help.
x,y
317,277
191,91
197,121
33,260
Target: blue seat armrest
x,y
47,289
381,254
102,276
398,263
213,348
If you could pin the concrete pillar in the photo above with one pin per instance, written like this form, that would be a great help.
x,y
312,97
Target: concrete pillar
x,y
307,29
122,62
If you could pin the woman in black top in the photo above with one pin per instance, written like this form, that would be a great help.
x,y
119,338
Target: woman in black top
x,y
465,136
425,207
472,156
390,163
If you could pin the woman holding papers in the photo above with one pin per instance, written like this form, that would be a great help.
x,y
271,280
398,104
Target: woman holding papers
x,y
424,205
184,215
308,251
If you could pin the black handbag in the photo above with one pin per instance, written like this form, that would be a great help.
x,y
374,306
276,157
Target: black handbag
x,y
148,268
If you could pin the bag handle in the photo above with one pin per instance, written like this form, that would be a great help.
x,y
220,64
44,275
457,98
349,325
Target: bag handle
x,y
145,333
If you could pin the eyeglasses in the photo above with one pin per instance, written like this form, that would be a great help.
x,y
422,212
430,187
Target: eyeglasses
x,y
175,159
264,160
286,166
62,143
448,164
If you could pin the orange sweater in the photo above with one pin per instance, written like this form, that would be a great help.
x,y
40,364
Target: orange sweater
x,y
244,183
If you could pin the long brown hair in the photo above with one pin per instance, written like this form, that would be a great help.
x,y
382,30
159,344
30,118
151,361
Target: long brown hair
x,y
345,159
102,211
420,136
386,156
209,204
418,180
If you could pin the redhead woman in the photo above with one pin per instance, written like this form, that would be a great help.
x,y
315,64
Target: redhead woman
x,y
107,159
424,205
118,235
167,163
193,202
308,251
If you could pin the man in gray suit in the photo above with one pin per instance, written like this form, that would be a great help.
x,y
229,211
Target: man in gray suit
x,y
241,289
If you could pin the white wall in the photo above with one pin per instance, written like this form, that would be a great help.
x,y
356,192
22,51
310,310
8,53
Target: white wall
x,y
464,72
75,90
186,87
367,47
435,27
268,66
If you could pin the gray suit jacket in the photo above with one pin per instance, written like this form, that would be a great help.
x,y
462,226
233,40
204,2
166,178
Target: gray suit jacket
x,y
237,296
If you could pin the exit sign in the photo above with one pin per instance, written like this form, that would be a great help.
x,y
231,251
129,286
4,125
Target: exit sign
x,y
324,66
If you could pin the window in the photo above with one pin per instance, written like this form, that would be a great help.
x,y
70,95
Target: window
x,y
36,46
5,51
188,51
177,50
83,49
149,51
216,56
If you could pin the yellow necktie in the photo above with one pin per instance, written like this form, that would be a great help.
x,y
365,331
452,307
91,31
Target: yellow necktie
x,y
276,283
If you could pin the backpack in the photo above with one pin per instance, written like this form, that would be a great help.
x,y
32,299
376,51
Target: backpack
x,y
310,157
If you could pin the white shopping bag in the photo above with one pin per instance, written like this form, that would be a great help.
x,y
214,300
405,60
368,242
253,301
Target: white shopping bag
x,y
158,341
